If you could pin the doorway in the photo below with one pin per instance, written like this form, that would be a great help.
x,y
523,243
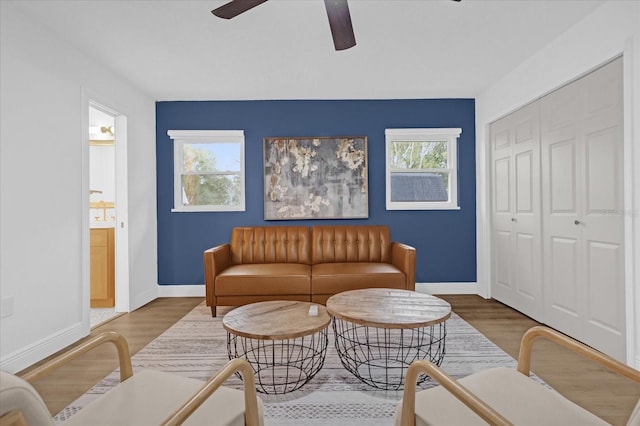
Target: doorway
x,y
108,268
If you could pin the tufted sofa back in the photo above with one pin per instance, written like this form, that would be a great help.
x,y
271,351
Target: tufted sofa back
x,y
332,244
271,244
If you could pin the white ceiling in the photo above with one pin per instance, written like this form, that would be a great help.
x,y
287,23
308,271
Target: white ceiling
x,y
282,49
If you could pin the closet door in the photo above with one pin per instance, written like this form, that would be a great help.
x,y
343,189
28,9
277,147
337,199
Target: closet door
x,y
516,227
582,192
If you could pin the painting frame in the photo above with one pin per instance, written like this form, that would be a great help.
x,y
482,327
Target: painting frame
x,y
323,177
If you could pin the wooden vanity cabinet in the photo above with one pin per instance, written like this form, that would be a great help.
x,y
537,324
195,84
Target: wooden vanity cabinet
x,y
102,267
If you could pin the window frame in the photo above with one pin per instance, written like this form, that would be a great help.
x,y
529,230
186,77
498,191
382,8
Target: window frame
x,y
183,137
450,136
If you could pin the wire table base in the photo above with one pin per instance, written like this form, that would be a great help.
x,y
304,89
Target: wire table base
x,y
281,366
380,356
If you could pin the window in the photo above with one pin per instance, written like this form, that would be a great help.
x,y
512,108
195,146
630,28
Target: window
x,y
422,169
208,169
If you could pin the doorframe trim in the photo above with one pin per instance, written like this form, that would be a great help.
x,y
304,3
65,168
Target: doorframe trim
x,y
631,188
122,299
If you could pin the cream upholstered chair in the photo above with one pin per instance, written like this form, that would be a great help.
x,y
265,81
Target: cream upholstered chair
x,y
146,398
502,396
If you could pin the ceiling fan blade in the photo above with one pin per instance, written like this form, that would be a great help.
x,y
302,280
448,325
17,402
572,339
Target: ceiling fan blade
x,y
235,8
340,23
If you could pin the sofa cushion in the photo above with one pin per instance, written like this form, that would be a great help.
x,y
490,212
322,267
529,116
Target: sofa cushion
x,y
351,244
271,244
274,278
519,398
332,278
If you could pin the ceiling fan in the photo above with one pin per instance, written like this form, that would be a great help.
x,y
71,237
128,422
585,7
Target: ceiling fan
x,y
337,11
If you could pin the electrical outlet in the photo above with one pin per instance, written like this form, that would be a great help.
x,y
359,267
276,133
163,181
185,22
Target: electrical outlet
x,y
6,306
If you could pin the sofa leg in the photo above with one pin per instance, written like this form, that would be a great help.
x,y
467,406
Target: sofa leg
x,y
213,311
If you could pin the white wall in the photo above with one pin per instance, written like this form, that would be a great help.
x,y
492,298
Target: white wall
x,y
613,29
43,282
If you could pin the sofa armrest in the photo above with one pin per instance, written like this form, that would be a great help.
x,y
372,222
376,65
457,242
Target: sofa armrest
x,y
216,260
403,257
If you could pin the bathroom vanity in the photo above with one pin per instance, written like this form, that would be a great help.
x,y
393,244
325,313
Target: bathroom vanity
x,y
102,243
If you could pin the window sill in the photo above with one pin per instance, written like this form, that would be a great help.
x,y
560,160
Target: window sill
x,y
412,208
204,209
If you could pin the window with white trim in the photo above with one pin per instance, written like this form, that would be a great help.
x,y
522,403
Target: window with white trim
x,y
422,169
208,170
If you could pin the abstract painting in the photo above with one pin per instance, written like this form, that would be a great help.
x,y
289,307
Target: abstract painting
x,y
315,178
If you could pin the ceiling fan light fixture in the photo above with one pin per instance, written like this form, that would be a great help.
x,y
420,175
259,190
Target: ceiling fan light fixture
x,y
337,12
340,24
236,7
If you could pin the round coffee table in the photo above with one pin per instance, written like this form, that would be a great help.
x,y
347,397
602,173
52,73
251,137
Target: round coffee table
x,y
285,344
379,332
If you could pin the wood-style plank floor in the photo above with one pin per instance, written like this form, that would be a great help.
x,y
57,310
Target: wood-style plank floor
x,y
601,392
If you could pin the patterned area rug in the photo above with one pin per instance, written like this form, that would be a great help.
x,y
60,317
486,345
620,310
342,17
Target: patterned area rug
x,y
196,347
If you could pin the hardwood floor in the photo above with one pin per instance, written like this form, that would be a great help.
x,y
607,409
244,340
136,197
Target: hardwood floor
x,y
605,394
139,327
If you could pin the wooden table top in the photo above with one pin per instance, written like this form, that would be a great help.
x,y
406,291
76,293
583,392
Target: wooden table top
x,y
275,320
388,308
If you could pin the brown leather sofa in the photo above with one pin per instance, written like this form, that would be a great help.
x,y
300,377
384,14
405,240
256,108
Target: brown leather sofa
x,y
306,264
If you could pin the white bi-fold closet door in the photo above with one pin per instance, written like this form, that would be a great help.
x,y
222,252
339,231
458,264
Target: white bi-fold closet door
x,y
516,224
557,164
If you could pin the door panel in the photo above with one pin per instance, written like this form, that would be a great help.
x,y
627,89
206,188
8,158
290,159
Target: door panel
x,y
603,211
524,132
516,211
526,286
582,187
561,186
502,197
501,140
601,152
524,184
564,279
563,177
502,269
602,260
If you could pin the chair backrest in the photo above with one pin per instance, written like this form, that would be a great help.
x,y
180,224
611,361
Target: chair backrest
x,y
634,419
18,394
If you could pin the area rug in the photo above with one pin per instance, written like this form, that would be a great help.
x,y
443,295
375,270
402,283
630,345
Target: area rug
x,y
196,347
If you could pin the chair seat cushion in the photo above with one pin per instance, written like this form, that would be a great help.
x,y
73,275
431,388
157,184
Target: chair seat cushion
x,y
18,394
332,278
264,278
520,399
149,396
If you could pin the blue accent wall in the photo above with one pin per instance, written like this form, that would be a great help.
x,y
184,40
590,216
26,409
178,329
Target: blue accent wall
x,y
445,241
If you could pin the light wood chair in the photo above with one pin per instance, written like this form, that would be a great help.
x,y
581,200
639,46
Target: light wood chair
x,y
147,398
502,396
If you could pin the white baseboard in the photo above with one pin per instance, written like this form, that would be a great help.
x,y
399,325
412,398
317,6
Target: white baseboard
x,y
447,288
38,351
196,290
